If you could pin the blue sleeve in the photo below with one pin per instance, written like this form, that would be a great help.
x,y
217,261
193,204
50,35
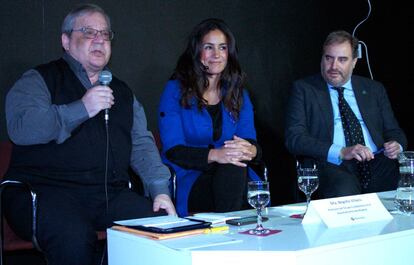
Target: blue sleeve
x,y
169,118
333,154
245,126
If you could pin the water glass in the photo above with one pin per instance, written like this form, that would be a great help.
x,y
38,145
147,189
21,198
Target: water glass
x,y
258,196
308,182
404,198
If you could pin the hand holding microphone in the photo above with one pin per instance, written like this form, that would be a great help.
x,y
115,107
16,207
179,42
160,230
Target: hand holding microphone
x,y
99,97
105,77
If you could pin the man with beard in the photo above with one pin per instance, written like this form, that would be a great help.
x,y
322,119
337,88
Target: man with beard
x,y
344,124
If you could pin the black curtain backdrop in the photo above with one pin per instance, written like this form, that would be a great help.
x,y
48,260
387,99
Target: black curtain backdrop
x,y
279,41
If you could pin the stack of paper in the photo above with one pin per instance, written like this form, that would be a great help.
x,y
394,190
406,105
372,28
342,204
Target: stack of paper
x,y
159,236
153,221
165,227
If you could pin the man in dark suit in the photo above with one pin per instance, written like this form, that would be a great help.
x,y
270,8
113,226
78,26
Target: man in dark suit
x,y
315,129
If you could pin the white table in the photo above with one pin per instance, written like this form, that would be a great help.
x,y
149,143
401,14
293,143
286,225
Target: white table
x,y
374,243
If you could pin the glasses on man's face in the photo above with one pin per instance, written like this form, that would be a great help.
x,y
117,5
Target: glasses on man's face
x,y
91,33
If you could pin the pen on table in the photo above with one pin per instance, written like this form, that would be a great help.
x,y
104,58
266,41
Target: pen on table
x,y
379,151
216,229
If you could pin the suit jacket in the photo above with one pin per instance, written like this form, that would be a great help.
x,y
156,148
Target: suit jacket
x,y
309,117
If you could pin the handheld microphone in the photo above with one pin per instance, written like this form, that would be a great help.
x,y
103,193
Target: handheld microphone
x,y
105,77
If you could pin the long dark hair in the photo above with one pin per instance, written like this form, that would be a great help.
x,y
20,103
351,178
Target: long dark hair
x,y
193,77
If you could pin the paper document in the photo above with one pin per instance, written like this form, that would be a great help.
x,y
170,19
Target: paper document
x,y
287,210
154,221
159,221
159,236
214,218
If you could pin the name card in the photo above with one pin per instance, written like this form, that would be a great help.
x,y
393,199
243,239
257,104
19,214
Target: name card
x,y
348,210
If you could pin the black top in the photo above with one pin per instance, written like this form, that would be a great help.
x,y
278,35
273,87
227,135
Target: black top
x,y
216,116
197,157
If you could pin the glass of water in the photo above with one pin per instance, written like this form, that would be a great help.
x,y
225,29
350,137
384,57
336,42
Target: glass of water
x,y
404,197
308,182
258,196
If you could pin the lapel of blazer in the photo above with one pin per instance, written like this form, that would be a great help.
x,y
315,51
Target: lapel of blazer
x,y
324,100
363,99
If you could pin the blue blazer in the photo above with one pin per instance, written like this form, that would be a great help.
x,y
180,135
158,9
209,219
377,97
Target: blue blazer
x,y
192,127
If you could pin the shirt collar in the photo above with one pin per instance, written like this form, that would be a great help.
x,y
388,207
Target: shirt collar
x,y
78,69
74,65
346,86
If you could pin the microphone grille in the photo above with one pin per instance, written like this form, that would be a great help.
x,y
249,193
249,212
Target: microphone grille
x,y
105,77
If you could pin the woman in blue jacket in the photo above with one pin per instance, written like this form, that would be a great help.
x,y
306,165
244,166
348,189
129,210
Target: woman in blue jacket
x,y
206,123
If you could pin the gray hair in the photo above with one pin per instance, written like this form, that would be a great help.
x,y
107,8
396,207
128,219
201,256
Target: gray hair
x,y
81,10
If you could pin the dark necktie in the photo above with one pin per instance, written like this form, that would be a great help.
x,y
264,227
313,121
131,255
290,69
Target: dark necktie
x,y
353,134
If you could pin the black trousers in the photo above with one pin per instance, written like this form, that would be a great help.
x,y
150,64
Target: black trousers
x,y
342,180
222,188
69,216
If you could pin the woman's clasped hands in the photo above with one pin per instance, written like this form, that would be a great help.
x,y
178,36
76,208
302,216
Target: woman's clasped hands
x,y
236,151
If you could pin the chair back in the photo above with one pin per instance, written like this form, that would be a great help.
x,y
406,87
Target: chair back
x,y
5,155
10,240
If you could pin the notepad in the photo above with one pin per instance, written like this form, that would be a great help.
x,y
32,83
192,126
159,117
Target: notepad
x,y
154,226
214,218
151,221
158,236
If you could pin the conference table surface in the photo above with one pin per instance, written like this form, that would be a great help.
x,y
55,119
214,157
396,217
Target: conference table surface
x,y
383,242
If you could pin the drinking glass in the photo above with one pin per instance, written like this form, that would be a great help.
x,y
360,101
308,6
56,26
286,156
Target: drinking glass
x,y
308,182
258,196
404,198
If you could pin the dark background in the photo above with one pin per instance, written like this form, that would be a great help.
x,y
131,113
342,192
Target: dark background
x,y
279,41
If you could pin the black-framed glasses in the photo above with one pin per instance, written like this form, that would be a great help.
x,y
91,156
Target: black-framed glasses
x,y
91,33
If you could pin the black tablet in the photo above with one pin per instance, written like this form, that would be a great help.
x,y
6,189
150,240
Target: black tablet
x,y
184,224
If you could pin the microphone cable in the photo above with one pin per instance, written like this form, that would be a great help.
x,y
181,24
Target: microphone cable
x,y
105,78
106,164
363,43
